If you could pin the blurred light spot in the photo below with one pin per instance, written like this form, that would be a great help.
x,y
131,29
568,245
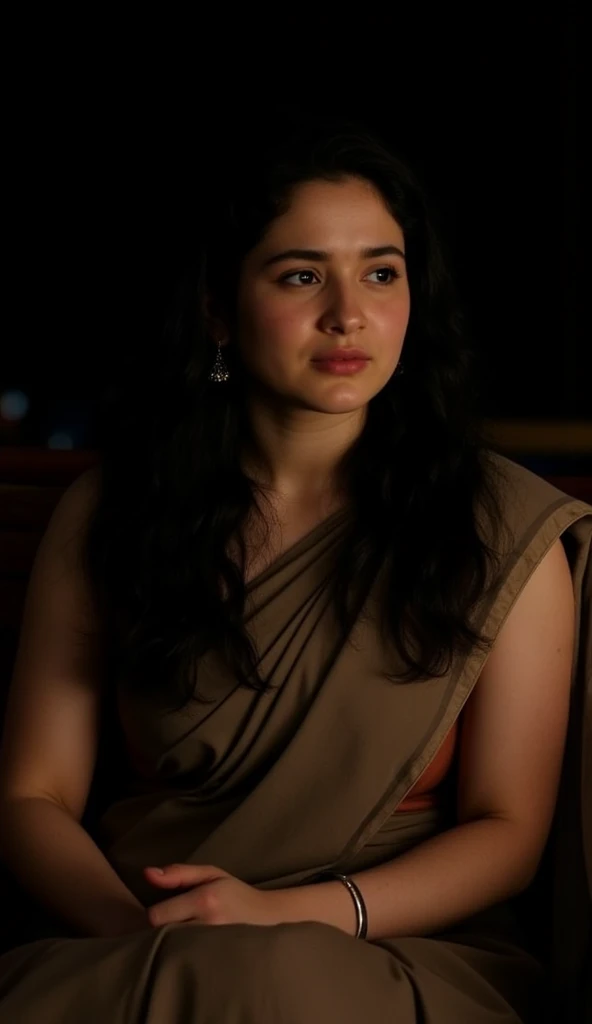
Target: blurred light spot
x,y
60,439
14,405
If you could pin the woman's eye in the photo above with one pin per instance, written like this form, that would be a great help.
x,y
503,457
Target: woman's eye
x,y
299,274
388,274
300,278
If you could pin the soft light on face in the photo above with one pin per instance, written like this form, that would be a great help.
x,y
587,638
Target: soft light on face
x,y
334,294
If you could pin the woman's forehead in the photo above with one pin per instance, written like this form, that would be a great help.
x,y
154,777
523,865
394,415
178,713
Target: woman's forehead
x,y
334,216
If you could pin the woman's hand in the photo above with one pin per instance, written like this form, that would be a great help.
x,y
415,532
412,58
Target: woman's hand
x,y
215,897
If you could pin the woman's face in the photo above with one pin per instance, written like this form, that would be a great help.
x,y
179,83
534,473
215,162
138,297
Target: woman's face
x,y
312,285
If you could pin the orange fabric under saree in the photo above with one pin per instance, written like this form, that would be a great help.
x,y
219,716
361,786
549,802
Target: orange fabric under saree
x,y
275,788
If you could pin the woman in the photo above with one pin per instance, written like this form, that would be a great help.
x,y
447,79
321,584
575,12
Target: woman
x,y
327,628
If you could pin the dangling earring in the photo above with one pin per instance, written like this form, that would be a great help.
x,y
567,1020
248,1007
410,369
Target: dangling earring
x,y
219,371
400,370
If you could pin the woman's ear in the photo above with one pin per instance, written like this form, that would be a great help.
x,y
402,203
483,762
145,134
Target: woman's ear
x,y
215,321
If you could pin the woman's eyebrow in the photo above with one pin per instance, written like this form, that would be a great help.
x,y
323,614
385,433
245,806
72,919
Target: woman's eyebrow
x,y
320,254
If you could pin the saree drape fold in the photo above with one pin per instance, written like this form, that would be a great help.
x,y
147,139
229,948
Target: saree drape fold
x,y
276,787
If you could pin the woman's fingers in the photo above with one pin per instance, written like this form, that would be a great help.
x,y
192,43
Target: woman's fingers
x,y
173,875
178,908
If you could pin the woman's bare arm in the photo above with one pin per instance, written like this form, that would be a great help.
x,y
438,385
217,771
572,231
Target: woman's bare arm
x,y
50,737
512,744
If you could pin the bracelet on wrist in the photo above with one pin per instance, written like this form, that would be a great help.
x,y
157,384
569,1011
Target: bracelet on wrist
x,y
356,895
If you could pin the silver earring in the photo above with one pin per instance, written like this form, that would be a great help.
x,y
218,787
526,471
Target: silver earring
x,y
400,369
219,371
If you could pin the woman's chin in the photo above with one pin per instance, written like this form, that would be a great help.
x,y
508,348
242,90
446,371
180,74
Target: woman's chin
x,y
341,399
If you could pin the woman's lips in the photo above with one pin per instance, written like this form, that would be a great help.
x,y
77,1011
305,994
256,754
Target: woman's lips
x,y
341,353
340,366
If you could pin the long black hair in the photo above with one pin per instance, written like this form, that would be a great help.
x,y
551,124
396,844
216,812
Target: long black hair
x,y
172,491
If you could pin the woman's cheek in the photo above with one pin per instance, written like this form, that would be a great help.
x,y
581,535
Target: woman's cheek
x,y
280,328
396,316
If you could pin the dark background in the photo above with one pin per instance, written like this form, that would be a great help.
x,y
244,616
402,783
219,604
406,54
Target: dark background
x,y
111,126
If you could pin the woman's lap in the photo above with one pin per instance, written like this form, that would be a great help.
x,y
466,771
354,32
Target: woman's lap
x,y
306,973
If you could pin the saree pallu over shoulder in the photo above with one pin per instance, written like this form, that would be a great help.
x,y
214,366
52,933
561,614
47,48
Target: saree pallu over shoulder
x,y
276,787
321,763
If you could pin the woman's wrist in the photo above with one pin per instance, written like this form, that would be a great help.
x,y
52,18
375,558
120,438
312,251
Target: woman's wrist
x,y
325,902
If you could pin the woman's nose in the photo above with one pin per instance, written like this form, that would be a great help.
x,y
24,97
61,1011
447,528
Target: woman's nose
x,y
343,313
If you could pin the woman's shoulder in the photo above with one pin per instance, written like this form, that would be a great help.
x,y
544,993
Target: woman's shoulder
x,y
524,494
531,511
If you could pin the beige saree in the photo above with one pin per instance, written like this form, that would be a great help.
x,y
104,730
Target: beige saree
x,y
275,788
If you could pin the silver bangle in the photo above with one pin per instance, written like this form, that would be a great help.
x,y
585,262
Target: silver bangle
x,y
361,913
